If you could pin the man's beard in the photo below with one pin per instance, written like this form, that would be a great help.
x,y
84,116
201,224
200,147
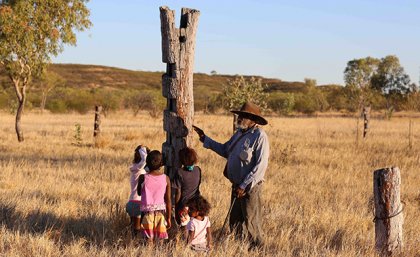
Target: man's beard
x,y
241,126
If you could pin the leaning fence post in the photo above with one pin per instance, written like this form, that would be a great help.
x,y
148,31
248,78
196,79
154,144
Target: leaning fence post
x,y
178,48
388,211
97,124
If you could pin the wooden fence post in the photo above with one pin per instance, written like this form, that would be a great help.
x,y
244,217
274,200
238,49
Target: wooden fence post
x,y
178,48
366,118
388,211
97,124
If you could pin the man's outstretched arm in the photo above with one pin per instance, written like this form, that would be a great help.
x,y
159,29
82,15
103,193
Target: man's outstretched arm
x,y
220,149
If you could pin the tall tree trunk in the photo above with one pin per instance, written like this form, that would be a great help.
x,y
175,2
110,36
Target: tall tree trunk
x,y
19,113
21,96
178,48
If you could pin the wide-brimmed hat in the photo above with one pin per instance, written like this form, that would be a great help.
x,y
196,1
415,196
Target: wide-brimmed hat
x,y
252,111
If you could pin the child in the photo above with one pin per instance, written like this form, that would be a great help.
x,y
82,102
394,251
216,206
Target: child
x,y
133,205
186,182
156,199
199,232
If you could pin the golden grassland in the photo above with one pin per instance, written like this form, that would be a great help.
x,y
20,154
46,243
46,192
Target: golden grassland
x,y
58,198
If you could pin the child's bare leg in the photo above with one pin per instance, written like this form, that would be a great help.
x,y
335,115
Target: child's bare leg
x,y
135,225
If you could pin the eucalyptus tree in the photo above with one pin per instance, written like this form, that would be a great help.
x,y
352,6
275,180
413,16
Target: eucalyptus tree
x,y
358,77
31,31
391,77
392,81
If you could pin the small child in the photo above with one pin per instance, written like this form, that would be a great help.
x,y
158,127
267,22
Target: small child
x,y
187,184
156,199
133,205
199,232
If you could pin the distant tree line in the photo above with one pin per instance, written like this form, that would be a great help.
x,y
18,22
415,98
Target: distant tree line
x,y
381,84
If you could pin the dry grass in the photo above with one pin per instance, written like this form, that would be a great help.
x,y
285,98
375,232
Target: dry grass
x,y
62,199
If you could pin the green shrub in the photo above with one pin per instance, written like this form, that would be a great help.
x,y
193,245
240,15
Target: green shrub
x,y
110,100
56,106
337,99
78,134
208,102
239,90
214,103
305,103
81,101
282,103
150,100
57,101
34,99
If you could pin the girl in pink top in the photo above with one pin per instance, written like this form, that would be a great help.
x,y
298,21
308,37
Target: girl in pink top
x,y
156,199
133,205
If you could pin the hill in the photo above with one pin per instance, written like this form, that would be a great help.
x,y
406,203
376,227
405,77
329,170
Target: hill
x,y
85,85
93,76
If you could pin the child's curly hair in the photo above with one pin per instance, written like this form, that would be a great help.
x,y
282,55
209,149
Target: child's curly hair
x,y
199,204
188,156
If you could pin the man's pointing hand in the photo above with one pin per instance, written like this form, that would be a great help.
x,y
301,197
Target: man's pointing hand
x,y
200,132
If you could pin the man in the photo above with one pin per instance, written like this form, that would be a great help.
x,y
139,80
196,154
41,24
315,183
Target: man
x,y
247,154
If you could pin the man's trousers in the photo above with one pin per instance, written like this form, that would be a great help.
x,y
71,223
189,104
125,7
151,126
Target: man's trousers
x,y
245,217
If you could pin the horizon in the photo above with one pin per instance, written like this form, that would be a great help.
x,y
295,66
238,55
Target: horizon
x,y
283,40
195,72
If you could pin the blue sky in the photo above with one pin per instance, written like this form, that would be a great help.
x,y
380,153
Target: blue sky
x,y
289,40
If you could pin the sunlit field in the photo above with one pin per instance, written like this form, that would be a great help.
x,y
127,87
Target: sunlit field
x,y
60,196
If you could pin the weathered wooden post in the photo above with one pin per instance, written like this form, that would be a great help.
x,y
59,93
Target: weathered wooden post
x,y
97,124
388,211
178,47
366,118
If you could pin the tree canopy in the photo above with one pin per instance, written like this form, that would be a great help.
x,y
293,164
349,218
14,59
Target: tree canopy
x,y
31,31
391,77
367,77
359,72
34,30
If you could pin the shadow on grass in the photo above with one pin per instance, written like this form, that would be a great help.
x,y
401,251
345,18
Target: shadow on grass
x,y
96,231
55,161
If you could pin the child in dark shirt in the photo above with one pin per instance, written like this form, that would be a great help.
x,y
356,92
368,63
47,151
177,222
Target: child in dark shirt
x,y
186,183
